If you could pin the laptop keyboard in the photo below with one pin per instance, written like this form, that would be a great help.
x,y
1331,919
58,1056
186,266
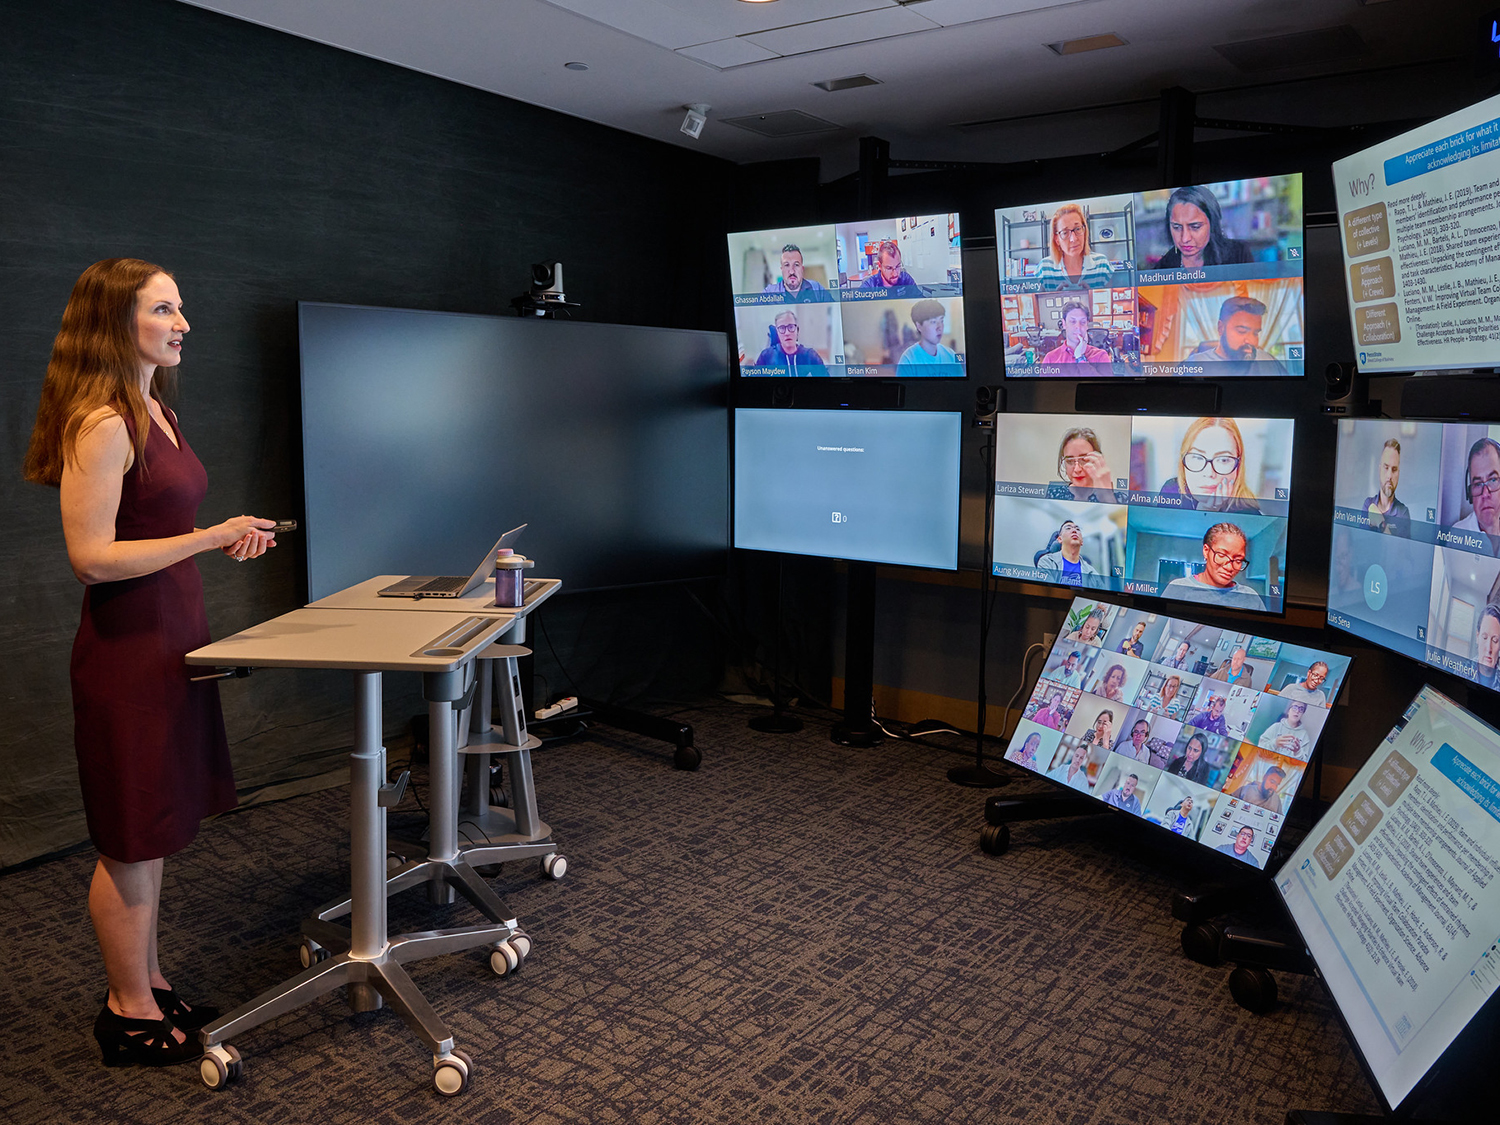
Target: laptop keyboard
x,y
444,585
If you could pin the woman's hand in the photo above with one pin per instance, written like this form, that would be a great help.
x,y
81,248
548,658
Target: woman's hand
x,y
244,537
1097,470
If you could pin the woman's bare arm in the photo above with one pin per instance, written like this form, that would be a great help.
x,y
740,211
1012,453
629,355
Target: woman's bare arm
x,y
90,493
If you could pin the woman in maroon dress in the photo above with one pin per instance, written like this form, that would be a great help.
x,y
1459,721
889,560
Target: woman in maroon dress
x,y
152,756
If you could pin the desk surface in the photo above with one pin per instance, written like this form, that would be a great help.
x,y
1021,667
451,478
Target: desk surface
x,y
481,601
372,641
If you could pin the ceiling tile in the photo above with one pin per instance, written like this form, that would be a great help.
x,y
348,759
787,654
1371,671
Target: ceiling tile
x,y
783,123
683,23
664,24
951,12
724,53
842,31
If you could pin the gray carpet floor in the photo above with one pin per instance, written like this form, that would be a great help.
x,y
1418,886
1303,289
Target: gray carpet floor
x,y
796,932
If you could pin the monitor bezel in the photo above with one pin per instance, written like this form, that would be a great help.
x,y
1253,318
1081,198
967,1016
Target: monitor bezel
x,y
1197,848
1145,376
734,491
991,498
836,380
1407,1104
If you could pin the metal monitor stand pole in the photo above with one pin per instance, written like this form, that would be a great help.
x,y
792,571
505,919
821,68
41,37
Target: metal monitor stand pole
x,y
778,721
858,727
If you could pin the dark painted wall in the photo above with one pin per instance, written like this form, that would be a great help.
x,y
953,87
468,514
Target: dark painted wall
x,y
263,169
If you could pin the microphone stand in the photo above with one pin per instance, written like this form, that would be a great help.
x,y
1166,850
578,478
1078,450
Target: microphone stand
x,y
980,776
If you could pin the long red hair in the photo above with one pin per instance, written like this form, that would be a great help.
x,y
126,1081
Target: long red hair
x,y
95,363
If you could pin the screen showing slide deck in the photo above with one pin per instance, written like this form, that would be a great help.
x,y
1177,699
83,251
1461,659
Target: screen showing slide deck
x,y
1418,215
1204,280
1395,891
1203,731
1416,535
1193,509
881,298
864,485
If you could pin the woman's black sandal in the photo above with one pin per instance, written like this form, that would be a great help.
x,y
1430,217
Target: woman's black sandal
x,y
186,1019
130,1042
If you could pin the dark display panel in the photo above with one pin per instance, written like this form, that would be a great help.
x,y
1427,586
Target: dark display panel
x,y
865,485
1193,509
1204,280
425,435
1393,891
1416,533
1205,732
883,298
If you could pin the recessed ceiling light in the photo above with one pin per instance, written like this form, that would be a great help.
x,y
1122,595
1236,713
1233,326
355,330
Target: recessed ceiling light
x,y
575,66
1087,43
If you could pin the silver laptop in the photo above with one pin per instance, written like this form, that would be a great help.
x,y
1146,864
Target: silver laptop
x,y
451,586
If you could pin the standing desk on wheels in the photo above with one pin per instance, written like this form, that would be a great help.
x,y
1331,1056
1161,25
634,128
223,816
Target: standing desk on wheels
x,y
517,833
439,646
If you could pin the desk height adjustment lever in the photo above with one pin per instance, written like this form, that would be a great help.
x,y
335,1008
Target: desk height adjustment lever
x,y
462,704
223,674
390,794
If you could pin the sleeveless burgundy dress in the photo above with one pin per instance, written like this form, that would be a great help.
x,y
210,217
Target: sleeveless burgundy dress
x,y
152,756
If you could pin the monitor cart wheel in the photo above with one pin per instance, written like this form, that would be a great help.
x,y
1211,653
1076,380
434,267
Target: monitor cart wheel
x,y
994,839
1253,989
1200,943
451,1072
554,866
687,758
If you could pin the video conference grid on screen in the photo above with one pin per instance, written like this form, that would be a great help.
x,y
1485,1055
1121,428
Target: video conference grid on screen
x,y
866,485
1193,509
1203,731
1394,891
1416,534
878,298
1204,280
1418,215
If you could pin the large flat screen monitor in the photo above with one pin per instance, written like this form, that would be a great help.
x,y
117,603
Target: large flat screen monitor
x,y
864,485
427,434
1418,215
1416,531
1204,280
883,298
1193,509
1205,732
1394,892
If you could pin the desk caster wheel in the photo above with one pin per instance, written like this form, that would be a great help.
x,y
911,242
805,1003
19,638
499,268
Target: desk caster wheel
x,y
451,1072
994,839
554,866
310,953
1200,943
1253,989
508,956
687,758
220,1065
